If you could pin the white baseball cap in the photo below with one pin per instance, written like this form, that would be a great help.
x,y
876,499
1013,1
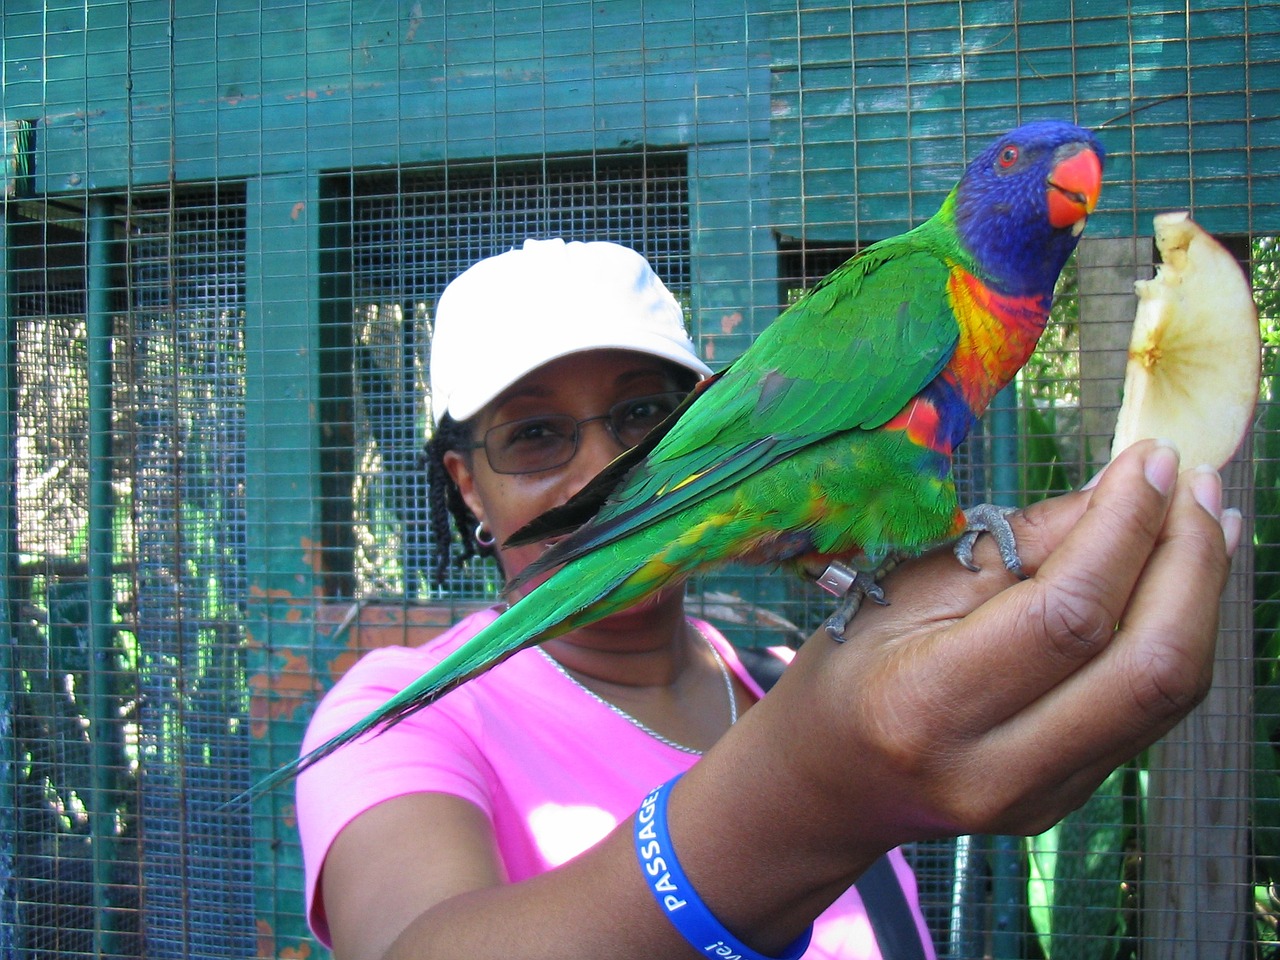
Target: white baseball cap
x,y
510,314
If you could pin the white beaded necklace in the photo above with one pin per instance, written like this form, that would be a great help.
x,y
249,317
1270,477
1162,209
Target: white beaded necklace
x,y
724,673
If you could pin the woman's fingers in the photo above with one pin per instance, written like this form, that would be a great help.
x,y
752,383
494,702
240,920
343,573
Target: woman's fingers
x,y
1159,663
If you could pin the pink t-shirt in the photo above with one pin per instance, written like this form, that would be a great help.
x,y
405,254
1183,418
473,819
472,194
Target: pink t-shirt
x,y
553,769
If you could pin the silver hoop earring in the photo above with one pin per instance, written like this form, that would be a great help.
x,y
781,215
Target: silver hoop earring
x,y
483,537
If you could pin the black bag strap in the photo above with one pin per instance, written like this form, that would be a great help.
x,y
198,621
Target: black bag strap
x,y
891,918
765,668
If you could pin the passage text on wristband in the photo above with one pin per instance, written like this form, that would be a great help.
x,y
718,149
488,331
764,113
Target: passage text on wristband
x,y
675,894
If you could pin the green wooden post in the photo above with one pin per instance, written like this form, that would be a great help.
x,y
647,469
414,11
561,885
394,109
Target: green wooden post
x,y
1002,428
103,722
733,259
284,519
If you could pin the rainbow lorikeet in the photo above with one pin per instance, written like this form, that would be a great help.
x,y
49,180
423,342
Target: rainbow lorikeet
x,y
830,439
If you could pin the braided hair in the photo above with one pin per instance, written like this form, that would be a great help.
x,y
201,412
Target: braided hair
x,y
445,503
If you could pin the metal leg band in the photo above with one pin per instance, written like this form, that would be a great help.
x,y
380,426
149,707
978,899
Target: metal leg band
x,y
837,579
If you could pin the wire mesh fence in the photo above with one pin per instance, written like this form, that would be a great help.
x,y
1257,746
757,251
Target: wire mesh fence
x,y
226,226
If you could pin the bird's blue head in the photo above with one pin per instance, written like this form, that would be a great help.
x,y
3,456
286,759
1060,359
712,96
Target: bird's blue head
x,y
1022,203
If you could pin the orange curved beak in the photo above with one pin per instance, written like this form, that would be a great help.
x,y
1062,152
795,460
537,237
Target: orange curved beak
x,y
1074,186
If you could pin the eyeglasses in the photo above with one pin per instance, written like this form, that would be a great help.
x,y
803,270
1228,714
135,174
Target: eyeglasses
x,y
542,443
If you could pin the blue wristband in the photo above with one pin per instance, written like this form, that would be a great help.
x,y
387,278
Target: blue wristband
x,y
675,894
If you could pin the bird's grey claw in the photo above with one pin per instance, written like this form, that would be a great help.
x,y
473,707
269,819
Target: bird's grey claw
x,y
992,519
854,586
964,549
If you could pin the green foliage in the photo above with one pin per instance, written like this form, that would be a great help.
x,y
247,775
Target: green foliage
x,y
1077,878
1266,293
1266,590
1052,376
1043,463
1267,649
1049,398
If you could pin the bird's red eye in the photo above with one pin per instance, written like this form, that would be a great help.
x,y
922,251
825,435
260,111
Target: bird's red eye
x,y
1008,156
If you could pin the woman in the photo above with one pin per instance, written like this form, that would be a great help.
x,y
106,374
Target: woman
x,y
499,822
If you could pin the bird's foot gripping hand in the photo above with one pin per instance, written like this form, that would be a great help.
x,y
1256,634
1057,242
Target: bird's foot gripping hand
x,y
992,519
851,586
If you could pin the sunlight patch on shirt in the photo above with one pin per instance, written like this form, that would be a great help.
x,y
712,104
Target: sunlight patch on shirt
x,y
562,831
848,936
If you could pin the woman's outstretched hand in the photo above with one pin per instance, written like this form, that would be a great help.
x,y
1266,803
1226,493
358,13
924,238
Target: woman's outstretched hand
x,y
977,703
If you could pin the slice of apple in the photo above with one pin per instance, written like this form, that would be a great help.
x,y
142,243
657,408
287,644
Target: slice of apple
x,y
1195,353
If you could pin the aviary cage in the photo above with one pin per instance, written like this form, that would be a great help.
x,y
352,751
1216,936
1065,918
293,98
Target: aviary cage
x,y
226,224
